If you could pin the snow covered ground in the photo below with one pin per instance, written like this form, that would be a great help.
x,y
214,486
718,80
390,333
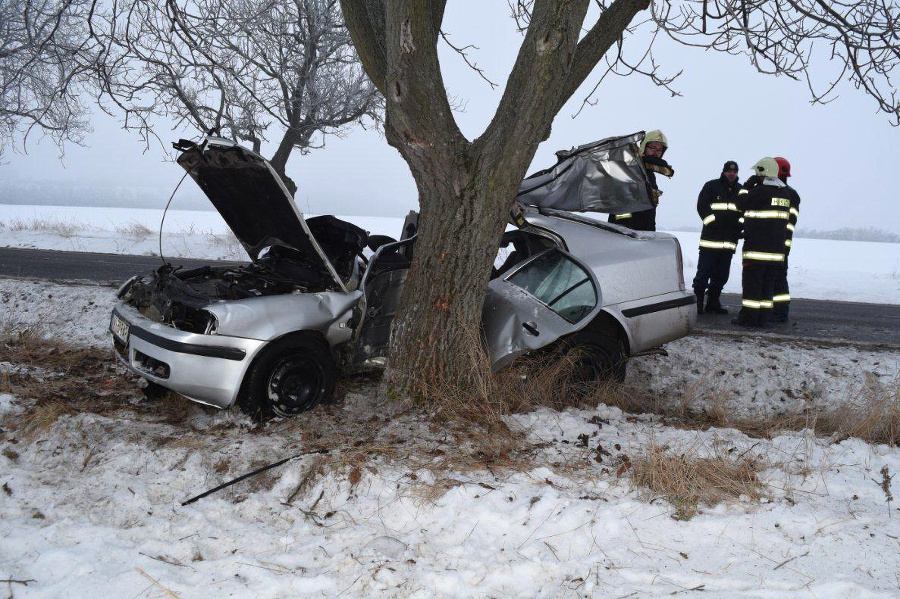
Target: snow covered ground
x,y
90,507
819,269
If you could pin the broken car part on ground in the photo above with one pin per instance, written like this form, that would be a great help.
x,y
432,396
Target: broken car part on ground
x,y
274,335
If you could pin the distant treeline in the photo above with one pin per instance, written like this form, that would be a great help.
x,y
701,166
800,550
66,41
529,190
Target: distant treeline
x,y
850,234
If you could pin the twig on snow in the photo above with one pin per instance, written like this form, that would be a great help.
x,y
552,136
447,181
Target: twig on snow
x,y
790,560
157,583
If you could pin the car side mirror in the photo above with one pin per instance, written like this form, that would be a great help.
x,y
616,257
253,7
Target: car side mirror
x,y
376,241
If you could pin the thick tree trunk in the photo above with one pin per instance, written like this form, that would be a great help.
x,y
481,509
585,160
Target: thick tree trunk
x,y
440,315
465,188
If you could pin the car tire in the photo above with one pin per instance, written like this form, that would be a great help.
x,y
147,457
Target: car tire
x,y
598,357
153,391
291,375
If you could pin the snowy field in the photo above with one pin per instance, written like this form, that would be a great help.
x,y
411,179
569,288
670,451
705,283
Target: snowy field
x,y
819,269
376,506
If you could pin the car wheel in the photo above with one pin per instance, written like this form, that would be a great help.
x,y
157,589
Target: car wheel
x,y
597,357
291,376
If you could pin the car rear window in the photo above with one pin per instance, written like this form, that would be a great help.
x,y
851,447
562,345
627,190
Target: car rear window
x,y
559,283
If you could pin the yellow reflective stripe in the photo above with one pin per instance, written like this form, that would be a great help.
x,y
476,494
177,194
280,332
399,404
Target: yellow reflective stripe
x,y
751,304
723,206
709,219
787,243
766,305
621,216
795,212
766,214
717,245
790,227
765,256
742,192
782,297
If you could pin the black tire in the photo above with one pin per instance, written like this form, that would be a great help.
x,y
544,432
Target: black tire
x,y
598,357
292,375
154,391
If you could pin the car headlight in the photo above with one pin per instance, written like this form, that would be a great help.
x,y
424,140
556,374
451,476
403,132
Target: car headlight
x,y
212,323
121,291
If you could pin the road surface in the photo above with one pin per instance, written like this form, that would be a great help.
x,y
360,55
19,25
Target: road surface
x,y
830,321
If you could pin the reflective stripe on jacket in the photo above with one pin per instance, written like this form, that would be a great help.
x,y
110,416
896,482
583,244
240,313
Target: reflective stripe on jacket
x,y
717,207
767,212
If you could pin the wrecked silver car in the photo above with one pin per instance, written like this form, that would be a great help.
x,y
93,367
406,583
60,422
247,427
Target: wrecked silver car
x,y
274,335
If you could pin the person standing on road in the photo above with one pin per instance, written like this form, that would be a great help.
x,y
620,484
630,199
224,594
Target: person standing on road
x,y
782,296
767,211
717,207
653,147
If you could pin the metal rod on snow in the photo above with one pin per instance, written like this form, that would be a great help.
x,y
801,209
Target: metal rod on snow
x,y
249,474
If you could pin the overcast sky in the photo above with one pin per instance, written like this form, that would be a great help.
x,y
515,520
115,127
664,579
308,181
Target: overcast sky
x,y
840,152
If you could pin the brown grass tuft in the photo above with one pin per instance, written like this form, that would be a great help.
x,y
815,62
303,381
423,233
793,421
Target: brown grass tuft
x,y
134,230
687,482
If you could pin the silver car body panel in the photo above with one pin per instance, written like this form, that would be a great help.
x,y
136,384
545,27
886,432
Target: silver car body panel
x,y
603,176
270,317
206,379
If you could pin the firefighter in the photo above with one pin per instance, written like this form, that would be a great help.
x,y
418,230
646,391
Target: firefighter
x,y
717,207
767,210
653,147
782,297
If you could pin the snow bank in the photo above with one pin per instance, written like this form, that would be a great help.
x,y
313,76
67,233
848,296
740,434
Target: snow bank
x,y
820,269
91,507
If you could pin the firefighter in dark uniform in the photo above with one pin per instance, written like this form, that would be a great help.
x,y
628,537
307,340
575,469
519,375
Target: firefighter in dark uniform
x,y
782,297
653,147
767,211
717,207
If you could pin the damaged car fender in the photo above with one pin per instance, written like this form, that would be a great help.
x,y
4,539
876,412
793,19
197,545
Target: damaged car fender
x,y
268,318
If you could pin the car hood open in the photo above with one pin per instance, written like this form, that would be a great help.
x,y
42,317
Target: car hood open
x,y
252,199
603,176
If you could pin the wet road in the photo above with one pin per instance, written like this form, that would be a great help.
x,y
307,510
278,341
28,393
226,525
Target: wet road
x,y
830,321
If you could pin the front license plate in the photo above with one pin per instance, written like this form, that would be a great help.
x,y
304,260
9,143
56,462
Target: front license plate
x,y
119,329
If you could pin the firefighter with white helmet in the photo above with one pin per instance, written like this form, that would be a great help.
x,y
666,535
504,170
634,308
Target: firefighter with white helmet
x,y
766,206
653,147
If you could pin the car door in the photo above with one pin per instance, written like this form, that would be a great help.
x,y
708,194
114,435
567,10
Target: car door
x,y
537,303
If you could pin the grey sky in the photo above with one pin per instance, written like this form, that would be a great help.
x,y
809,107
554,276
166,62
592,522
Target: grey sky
x,y
840,152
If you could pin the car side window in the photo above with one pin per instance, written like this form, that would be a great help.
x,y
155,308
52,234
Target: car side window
x,y
555,280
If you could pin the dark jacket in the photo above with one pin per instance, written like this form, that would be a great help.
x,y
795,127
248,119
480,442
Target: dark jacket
x,y
767,211
645,220
795,214
717,207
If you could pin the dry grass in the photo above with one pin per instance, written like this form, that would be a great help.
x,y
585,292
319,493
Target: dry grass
x,y
134,230
228,241
56,380
48,225
688,482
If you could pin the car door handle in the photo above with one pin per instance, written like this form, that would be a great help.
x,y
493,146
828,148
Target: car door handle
x,y
530,328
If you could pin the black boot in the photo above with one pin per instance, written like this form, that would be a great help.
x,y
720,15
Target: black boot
x,y
699,292
713,304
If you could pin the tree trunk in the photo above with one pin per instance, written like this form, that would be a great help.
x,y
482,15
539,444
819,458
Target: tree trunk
x,y
439,317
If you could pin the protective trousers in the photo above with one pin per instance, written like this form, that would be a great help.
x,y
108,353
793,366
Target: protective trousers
x,y
782,294
758,279
713,267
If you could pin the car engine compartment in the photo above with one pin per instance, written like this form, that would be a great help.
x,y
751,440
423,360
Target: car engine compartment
x,y
177,297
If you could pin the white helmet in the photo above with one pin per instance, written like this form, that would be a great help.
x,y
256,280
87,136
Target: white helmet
x,y
657,136
766,167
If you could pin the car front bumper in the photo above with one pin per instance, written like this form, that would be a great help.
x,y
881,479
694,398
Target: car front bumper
x,y
204,368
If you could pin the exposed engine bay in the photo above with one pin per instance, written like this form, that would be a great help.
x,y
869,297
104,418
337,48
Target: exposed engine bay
x,y
178,297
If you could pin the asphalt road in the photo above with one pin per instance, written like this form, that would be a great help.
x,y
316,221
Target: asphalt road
x,y
824,321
